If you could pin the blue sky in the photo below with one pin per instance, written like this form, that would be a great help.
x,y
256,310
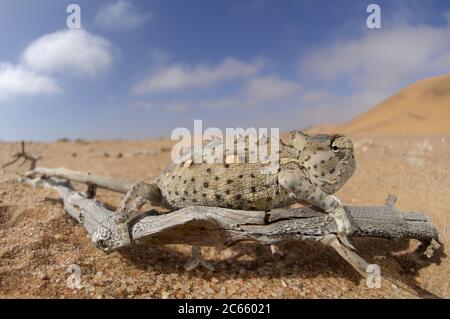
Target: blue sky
x,y
139,69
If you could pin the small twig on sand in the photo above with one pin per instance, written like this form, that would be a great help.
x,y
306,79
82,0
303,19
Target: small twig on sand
x,y
26,157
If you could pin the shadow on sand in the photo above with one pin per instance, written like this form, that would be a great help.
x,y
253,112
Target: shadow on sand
x,y
300,259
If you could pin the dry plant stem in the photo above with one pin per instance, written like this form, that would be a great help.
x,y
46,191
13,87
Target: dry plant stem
x,y
214,226
26,157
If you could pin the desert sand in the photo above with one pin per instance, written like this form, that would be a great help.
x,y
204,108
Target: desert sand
x,y
38,240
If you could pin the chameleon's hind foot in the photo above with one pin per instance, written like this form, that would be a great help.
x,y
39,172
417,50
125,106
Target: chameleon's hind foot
x,y
197,260
138,195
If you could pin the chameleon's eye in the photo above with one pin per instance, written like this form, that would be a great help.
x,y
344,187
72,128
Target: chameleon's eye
x,y
335,148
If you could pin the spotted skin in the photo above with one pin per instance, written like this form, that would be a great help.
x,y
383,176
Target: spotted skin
x,y
235,185
245,186
311,169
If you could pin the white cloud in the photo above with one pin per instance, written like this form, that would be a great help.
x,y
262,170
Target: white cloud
x,y
75,51
326,107
175,106
120,15
264,89
256,92
72,51
370,69
317,96
221,103
181,76
17,80
382,60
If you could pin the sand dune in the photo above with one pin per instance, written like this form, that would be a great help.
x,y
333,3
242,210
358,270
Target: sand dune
x,y
423,107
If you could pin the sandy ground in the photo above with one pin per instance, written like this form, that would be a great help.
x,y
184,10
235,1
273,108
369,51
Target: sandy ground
x,y
38,241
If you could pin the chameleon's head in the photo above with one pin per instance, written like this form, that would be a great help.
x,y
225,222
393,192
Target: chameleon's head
x,y
329,159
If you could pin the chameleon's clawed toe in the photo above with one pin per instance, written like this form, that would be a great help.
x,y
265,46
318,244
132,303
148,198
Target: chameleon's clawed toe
x,y
344,241
344,228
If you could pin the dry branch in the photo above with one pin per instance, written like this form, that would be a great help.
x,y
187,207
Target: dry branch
x,y
26,158
212,226
82,177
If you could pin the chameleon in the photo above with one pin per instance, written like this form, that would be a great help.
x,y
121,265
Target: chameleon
x,y
310,169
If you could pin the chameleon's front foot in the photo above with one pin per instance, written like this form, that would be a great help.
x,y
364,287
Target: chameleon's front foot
x,y
334,206
344,227
197,260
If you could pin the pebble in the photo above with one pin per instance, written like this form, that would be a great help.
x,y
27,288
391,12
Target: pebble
x,y
121,290
180,294
164,295
44,276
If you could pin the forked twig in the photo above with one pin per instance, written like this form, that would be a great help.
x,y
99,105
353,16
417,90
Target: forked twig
x,y
26,157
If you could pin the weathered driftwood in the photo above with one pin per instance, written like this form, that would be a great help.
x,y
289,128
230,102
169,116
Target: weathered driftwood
x,y
82,177
212,226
